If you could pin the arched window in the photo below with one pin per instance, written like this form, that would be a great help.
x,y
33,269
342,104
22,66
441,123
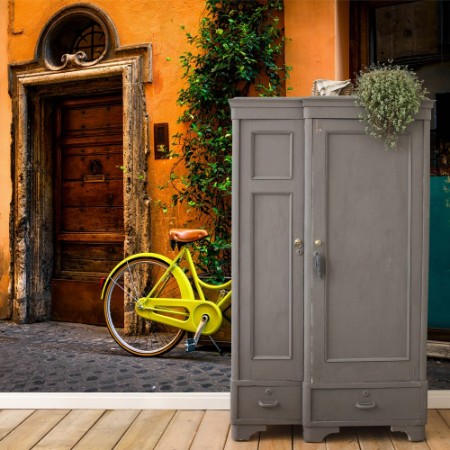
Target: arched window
x,y
91,41
76,36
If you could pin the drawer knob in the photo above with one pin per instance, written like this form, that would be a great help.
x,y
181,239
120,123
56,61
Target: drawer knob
x,y
366,405
268,404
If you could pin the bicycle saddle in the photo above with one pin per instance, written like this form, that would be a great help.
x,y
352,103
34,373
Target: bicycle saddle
x,y
186,235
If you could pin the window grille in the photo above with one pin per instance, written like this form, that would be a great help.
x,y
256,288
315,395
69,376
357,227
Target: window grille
x,y
91,41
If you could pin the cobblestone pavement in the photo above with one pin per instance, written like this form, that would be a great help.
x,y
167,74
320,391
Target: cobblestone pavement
x,y
439,373
66,357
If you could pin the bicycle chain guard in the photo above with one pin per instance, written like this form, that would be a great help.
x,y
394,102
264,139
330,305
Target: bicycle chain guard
x,y
181,313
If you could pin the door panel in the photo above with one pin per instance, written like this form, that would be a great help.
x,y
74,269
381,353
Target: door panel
x,y
89,230
77,165
100,117
92,219
270,221
367,229
89,257
367,213
93,194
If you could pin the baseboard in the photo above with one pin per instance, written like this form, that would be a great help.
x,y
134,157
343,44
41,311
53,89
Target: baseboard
x,y
198,400
438,399
135,400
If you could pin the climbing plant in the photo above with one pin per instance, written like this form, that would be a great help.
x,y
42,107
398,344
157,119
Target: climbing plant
x,y
238,51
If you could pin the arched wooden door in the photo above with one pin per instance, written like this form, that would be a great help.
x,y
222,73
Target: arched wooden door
x,y
88,203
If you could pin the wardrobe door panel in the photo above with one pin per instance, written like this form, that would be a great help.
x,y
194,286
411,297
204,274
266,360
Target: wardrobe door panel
x,y
367,214
271,265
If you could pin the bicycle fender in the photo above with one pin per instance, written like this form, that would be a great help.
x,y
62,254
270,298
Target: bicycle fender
x,y
177,271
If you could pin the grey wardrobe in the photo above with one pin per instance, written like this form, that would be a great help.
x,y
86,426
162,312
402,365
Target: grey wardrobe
x,y
330,261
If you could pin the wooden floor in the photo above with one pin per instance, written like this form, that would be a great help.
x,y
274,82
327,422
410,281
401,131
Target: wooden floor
x,y
195,430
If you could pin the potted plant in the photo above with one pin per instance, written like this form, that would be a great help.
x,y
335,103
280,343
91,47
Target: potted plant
x,y
391,97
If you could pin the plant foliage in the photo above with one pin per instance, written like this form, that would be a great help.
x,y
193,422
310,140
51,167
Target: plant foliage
x,y
237,51
391,97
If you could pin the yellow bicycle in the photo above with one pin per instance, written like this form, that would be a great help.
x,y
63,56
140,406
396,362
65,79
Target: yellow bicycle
x,y
149,301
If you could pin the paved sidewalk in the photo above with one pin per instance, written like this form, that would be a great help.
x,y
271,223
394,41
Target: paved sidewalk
x,y
66,357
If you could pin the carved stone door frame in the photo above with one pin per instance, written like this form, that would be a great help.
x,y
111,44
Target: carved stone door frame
x,y
31,219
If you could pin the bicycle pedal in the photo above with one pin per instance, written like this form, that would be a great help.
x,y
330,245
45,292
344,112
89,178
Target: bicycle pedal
x,y
190,345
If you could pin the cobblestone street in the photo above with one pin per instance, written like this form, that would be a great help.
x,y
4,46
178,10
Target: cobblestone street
x,y
66,357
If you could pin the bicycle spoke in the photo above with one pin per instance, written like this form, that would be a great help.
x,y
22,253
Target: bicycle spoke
x,y
120,286
131,283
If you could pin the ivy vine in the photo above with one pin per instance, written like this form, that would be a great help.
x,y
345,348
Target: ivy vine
x,y
238,51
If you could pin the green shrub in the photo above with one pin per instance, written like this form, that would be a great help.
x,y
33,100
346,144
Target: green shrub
x,y
238,51
391,97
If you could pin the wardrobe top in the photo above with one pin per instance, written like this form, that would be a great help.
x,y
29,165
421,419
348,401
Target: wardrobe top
x,y
314,107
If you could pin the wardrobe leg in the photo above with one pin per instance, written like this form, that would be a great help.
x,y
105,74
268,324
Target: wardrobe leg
x,y
244,432
415,433
318,434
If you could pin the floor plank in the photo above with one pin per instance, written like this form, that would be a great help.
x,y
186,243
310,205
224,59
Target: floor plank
x,y
181,431
212,432
146,430
276,438
32,429
374,438
70,430
108,430
193,430
346,439
437,432
10,419
401,442
251,444
445,414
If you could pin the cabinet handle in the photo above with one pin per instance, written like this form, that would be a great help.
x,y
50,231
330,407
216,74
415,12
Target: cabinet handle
x,y
268,404
366,405
319,264
298,244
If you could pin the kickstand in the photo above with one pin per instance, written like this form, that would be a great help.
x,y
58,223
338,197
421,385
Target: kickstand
x,y
217,346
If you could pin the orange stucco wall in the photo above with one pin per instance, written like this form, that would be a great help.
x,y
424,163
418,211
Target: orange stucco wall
x,y
317,42
5,164
316,49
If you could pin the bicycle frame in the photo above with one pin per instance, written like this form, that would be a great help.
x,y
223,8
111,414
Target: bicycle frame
x,y
185,313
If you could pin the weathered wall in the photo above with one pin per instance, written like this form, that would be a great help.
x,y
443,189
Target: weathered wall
x,y
5,178
140,21
317,48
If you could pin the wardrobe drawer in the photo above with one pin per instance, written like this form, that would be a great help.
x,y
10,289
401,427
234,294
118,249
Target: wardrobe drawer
x,y
371,406
269,403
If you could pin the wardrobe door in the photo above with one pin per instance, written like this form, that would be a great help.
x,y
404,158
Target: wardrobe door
x,y
270,253
365,263
268,206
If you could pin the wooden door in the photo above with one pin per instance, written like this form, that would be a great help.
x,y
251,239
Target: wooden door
x,y
88,194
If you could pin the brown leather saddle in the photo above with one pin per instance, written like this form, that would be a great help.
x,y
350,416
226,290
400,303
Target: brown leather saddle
x,y
181,236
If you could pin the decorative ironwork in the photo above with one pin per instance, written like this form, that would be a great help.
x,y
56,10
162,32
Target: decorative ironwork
x,y
91,41
87,49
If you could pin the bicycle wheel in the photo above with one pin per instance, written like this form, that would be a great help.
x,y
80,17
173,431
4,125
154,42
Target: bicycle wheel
x,y
133,280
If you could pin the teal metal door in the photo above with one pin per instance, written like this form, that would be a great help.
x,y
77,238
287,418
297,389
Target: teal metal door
x,y
439,285
439,273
